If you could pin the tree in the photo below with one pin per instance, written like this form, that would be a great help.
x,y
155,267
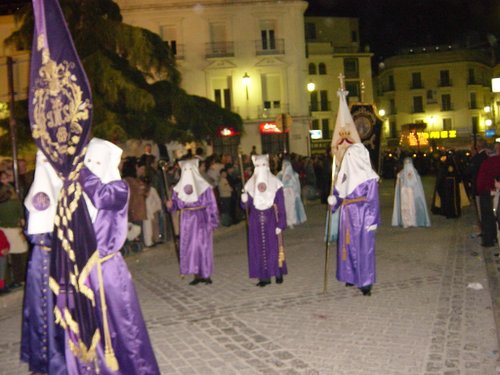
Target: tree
x,y
135,84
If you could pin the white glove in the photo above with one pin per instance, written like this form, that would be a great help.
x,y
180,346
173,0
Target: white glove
x,y
332,200
278,231
372,228
244,197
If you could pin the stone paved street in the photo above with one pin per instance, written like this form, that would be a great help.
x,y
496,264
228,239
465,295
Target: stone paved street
x,y
422,318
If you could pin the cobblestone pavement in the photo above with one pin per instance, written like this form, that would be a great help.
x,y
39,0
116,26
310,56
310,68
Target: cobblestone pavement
x,y
423,318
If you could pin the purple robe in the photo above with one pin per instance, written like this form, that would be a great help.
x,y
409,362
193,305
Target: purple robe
x,y
197,222
263,246
40,348
130,339
356,245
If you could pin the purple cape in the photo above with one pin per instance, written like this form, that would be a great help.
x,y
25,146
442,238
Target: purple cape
x,y
130,339
356,245
262,239
197,222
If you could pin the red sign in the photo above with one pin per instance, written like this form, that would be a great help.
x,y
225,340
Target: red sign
x,y
270,128
226,132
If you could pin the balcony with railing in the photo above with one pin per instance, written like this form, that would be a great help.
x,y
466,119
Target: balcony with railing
x,y
417,109
219,49
268,111
446,107
445,83
473,81
321,106
415,85
266,47
388,87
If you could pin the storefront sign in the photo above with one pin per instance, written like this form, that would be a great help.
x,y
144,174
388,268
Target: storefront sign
x,y
269,128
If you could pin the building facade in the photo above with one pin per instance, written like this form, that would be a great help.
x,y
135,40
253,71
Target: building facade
x,y
248,56
19,63
439,96
333,47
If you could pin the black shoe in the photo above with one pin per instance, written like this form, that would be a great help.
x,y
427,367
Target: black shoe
x,y
366,290
263,283
487,244
349,284
279,279
207,281
196,281
4,291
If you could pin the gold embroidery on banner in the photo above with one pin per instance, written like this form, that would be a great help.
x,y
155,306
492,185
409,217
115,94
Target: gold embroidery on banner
x,y
40,42
54,286
58,103
59,111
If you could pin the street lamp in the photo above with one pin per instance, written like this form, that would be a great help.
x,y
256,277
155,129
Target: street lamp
x,y
311,86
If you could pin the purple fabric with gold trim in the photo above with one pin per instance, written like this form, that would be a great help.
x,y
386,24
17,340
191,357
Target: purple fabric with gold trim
x,y
60,113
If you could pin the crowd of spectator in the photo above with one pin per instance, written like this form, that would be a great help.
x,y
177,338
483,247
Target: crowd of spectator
x,y
151,182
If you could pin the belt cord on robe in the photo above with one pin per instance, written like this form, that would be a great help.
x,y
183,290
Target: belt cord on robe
x,y
281,248
109,354
193,208
347,241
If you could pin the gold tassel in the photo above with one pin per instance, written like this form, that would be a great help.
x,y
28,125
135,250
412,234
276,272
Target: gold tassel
x,y
109,355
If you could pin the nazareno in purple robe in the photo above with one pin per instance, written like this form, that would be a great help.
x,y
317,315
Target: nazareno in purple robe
x,y
40,348
130,339
263,247
356,245
197,221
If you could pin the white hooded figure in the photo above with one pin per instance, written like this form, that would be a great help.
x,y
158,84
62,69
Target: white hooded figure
x,y
410,207
102,159
38,342
122,324
265,203
41,201
295,212
356,195
193,196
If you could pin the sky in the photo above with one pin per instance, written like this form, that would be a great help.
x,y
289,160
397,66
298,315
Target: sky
x,y
389,25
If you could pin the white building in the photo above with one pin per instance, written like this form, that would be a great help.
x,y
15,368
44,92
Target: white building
x,y
246,55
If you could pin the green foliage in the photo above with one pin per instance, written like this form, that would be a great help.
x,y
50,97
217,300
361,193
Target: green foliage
x,y
133,76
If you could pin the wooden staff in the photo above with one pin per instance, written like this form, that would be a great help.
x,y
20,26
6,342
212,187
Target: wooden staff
x,y
329,211
242,173
281,247
328,223
163,166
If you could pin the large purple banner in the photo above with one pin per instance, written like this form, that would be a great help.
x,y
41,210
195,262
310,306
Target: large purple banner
x,y
60,109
